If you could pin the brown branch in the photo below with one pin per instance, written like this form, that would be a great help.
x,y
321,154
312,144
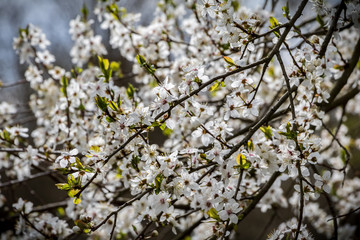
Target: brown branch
x,y
120,208
331,207
259,196
12,84
18,181
341,82
331,29
344,215
189,230
113,228
341,101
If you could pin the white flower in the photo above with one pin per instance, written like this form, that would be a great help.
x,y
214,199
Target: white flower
x,y
57,72
229,211
21,205
206,138
207,8
322,181
17,132
45,57
67,158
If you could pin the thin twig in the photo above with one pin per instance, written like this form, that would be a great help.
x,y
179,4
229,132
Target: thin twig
x,y
344,215
113,228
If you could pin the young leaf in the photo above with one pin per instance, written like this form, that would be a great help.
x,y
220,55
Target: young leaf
x,y
85,12
101,102
77,200
163,126
158,180
63,186
286,11
78,163
81,224
73,192
273,24
113,105
229,61
320,20
267,132
130,91
251,145
213,213
242,162
64,82
214,87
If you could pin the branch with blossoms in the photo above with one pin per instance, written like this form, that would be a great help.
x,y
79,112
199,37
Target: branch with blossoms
x,y
243,103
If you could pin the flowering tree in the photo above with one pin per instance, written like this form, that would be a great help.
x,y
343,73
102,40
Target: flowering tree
x,y
247,104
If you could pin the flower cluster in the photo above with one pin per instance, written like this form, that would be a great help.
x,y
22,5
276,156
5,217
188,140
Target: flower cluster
x,y
245,106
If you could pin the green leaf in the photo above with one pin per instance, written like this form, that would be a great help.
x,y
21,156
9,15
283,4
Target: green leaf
x,y
78,163
343,156
109,119
105,68
24,30
215,86
273,24
213,213
163,126
203,156
134,228
60,211
113,105
242,162
142,61
63,186
229,61
81,106
267,132
155,124
320,20
73,192
101,102
289,134
85,12
251,145
6,135
339,67
286,11
64,82
105,64
158,180
135,162
81,224
235,4
115,66
130,91
167,131
77,200
73,182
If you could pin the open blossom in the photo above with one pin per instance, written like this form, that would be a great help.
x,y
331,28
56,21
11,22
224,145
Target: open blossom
x,y
45,57
203,133
18,132
229,211
67,158
57,72
322,181
207,8
24,206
